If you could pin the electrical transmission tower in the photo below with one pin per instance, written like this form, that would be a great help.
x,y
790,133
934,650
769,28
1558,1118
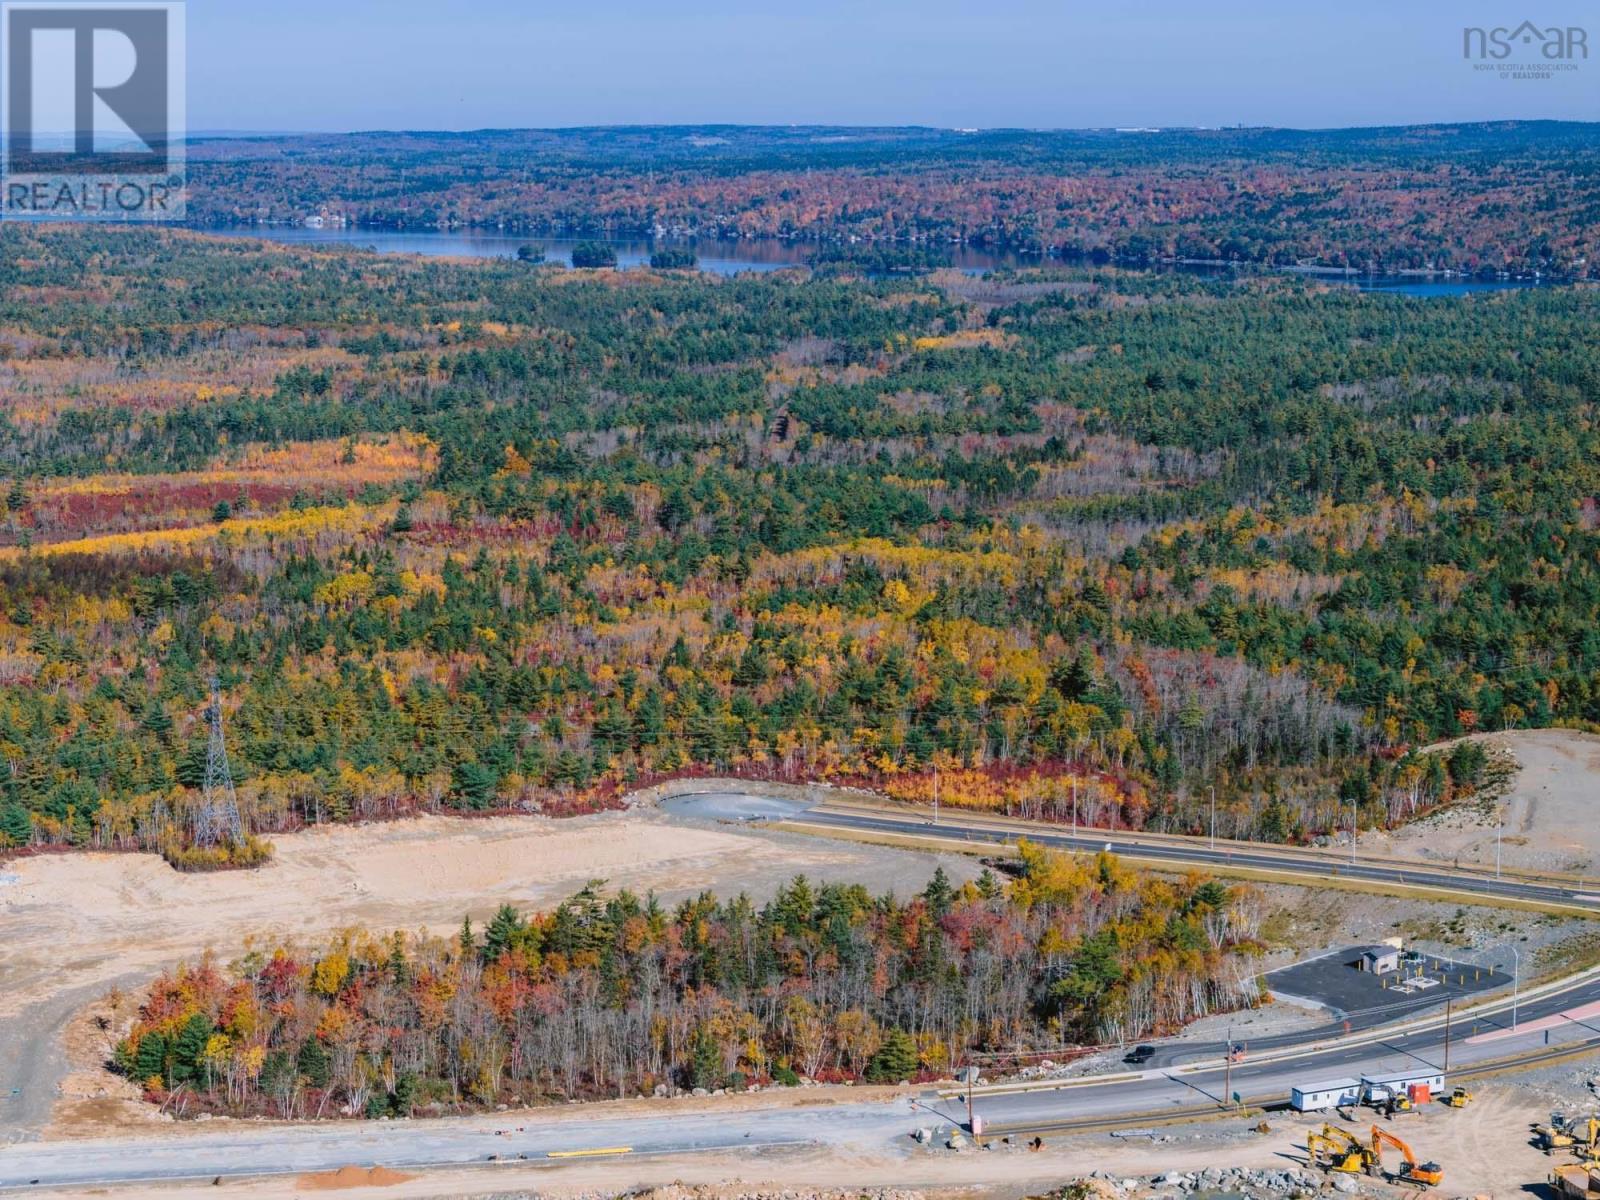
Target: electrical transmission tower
x,y
217,822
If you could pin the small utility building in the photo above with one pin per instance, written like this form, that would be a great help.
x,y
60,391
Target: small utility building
x,y
1379,960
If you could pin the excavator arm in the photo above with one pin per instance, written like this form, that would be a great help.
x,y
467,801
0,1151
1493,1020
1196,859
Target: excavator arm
x,y
1410,1169
1335,1149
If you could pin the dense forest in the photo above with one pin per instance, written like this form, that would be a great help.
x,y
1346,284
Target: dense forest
x,y
499,535
1483,198
616,996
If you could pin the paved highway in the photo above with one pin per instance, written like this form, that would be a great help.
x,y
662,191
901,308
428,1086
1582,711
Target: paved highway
x,y
1129,1098
1574,895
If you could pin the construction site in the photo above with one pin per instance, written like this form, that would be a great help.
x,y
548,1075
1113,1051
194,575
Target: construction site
x,y
1477,1085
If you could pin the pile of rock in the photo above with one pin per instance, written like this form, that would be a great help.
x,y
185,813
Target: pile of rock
x,y
1241,1183
1230,1183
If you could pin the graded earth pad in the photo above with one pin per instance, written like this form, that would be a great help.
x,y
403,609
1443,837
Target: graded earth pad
x,y
72,925
1549,815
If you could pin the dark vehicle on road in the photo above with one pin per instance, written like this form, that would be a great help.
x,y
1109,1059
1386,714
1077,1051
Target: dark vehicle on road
x,y
1139,1055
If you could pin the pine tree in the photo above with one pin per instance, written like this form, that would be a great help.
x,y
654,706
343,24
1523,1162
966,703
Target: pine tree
x,y
16,827
939,894
189,1049
501,932
150,1060
312,1062
706,1069
896,1059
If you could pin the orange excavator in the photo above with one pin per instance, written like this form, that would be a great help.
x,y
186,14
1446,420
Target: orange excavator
x,y
1411,1171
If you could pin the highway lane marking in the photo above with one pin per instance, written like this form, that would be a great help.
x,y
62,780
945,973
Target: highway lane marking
x,y
601,1152
875,807
1458,889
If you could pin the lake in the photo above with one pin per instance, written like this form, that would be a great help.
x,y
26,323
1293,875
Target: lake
x,y
730,256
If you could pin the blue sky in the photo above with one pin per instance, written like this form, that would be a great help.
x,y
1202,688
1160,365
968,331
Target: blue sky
x,y
366,64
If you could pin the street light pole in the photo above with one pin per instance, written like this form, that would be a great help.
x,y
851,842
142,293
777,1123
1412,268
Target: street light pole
x,y
1516,986
1213,817
936,793
1499,831
1448,1005
1074,806
1353,820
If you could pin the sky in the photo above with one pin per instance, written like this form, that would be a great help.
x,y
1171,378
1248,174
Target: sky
x,y
388,64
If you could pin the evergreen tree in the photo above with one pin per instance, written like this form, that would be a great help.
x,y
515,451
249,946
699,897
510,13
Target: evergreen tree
x,y
313,1063
896,1059
16,827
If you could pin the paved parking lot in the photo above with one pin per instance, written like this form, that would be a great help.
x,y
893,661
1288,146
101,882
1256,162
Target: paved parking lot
x,y
1336,982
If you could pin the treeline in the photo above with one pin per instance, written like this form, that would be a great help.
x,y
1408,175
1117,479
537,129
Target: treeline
x,y
1516,196
617,996
558,535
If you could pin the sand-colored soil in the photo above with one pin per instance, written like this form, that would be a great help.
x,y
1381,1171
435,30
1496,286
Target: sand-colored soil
x,y
73,925
1550,812
346,1178
73,918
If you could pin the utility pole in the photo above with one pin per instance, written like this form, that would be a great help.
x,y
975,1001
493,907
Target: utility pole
x,y
1516,986
1213,817
1227,1078
1499,832
1448,1005
1074,806
1353,821
936,791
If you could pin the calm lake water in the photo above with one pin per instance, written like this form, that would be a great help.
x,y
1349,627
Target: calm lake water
x,y
730,257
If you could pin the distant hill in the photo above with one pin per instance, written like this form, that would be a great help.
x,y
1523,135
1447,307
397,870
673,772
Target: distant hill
x,y
1518,196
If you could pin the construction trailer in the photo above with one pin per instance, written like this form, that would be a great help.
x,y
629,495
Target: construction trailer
x,y
1331,1093
1407,1090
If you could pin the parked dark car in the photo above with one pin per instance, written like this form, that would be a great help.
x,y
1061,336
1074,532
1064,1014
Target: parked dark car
x,y
1139,1055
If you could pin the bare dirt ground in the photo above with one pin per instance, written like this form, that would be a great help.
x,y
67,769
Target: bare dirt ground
x,y
1550,811
72,926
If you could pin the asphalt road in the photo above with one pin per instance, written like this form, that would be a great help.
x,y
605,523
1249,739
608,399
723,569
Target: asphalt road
x,y
1197,853
1273,1066
1136,1097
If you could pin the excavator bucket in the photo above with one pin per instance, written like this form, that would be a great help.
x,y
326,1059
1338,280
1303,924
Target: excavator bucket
x,y
1411,1171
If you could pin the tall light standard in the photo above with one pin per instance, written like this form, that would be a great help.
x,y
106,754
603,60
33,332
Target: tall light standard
x,y
1213,818
936,791
1499,832
1516,986
1074,806
1353,821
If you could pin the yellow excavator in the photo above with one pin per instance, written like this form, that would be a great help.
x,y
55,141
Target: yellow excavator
x,y
1569,1134
1389,1101
1333,1149
1411,1171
